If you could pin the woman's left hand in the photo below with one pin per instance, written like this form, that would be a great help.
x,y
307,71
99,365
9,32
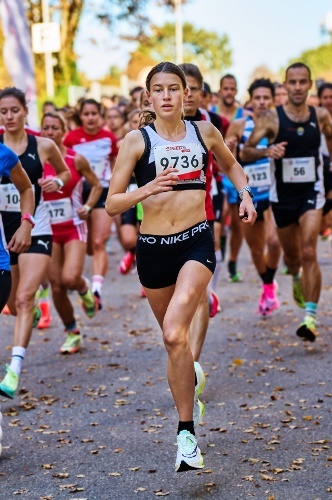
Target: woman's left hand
x,y
49,185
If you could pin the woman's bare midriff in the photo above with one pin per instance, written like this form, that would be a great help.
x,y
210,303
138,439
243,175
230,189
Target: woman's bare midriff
x,y
173,212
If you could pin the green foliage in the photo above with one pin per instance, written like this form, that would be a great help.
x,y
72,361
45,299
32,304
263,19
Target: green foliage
x,y
319,61
206,49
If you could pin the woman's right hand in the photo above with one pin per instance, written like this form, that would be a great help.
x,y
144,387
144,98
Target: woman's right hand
x,y
164,181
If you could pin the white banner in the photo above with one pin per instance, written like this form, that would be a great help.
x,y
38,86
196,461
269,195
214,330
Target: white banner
x,y
17,53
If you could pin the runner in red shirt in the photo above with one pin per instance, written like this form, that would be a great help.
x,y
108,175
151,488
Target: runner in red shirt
x,y
99,148
69,226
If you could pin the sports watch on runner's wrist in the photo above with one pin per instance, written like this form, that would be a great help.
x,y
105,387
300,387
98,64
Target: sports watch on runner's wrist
x,y
245,188
59,182
29,218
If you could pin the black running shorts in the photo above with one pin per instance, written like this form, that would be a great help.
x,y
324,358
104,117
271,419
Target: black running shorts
x,y
285,216
39,244
102,199
260,207
160,258
5,287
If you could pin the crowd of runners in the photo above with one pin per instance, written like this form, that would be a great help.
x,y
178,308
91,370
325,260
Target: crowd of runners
x,y
183,175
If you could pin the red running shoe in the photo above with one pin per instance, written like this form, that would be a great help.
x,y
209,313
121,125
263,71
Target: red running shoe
x,y
46,318
214,305
126,263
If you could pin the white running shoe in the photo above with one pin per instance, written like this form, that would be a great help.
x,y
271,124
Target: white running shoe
x,y
199,387
199,408
189,456
0,433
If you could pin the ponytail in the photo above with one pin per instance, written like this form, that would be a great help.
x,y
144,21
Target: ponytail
x,y
146,117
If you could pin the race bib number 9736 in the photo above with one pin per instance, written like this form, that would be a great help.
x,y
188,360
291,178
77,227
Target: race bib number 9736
x,y
187,159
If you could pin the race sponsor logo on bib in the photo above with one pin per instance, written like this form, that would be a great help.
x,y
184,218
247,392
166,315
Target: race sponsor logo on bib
x,y
60,210
259,175
10,198
298,169
187,159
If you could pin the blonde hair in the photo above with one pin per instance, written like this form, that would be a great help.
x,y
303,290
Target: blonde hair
x,y
58,116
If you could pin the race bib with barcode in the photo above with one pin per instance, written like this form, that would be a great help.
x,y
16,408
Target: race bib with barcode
x,y
259,175
298,169
187,159
60,210
10,198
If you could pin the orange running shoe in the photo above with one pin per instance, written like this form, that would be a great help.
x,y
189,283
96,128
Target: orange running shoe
x,y
46,318
5,310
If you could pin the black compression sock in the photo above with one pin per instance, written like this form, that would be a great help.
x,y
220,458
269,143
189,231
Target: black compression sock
x,y
232,267
268,276
270,273
263,276
186,426
223,247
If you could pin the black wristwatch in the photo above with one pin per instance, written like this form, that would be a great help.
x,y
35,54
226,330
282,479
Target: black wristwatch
x,y
245,188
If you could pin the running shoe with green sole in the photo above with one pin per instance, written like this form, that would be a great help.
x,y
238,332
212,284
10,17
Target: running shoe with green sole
x,y
199,408
36,316
298,295
307,329
235,278
89,303
199,411
72,344
9,384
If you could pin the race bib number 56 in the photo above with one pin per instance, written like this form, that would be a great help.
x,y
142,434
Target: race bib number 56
x,y
187,159
298,170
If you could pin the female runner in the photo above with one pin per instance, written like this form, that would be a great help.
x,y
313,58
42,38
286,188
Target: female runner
x,y
68,220
175,249
29,267
11,167
98,146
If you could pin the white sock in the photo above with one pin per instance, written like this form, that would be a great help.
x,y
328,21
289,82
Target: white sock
x,y
18,354
215,276
97,283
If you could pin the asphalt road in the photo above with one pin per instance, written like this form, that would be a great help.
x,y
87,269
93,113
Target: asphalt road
x,y
101,424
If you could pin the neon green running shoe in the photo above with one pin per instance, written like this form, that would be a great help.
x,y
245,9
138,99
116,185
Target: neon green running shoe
x,y
36,316
235,278
9,385
307,329
89,303
298,294
72,343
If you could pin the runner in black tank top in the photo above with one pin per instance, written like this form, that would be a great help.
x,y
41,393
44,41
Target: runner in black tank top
x,y
34,168
297,191
303,143
28,268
